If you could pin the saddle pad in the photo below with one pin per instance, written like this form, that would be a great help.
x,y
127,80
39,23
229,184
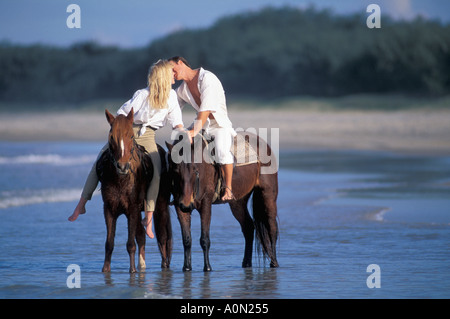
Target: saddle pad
x,y
243,149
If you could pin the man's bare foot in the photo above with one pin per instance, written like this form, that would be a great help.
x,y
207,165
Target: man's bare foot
x,y
79,210
228,195
147,222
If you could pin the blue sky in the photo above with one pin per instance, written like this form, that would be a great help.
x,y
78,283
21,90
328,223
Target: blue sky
x,y
131,23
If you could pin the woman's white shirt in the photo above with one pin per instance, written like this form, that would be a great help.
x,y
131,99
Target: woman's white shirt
x,y
146,115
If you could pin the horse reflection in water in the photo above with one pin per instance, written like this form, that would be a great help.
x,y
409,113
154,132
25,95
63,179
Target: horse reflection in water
x,y
194,187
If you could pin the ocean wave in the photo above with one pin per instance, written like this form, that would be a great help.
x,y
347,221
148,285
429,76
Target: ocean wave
x,y
31,197
378,214
48,159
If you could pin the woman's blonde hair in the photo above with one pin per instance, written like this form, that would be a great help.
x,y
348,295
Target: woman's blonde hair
x,y
160,78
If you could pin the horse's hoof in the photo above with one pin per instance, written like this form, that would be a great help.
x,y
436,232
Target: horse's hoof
x,y
142,265
187,268
246,265
132,270
142,268
274,264
106,269
207,269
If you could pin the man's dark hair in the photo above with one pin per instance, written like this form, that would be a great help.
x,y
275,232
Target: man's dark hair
x,y
179,58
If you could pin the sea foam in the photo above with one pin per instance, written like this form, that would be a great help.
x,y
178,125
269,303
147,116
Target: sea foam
x,y
48,159
31,197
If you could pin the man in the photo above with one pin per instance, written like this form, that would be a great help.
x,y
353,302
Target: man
x,y
204,91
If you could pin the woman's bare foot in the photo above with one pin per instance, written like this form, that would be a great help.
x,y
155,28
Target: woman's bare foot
x,y
147,222
79,210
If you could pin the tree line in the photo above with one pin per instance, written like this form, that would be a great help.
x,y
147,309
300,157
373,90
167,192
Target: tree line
x,y
274,52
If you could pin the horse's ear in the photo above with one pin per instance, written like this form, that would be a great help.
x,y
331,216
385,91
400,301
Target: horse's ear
x,y
130,115
109,117
169,146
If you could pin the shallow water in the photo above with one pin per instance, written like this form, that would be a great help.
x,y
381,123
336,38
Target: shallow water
x,y
339,212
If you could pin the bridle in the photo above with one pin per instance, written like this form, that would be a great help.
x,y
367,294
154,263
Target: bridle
x,y
128,164
196,189
196,184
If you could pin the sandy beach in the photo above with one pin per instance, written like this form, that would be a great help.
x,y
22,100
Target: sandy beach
x,y
411,131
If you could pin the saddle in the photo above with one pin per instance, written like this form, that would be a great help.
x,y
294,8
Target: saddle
x,y
243,151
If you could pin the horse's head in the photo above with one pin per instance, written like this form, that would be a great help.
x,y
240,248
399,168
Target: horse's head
x,y
121,140
188,166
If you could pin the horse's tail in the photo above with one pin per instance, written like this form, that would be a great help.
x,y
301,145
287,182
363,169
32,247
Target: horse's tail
x,y
266,226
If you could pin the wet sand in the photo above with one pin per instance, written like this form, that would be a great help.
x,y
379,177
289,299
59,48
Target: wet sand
x,y
411,131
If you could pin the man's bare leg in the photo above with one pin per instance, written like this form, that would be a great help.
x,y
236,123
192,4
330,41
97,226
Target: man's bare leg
x,y
227,172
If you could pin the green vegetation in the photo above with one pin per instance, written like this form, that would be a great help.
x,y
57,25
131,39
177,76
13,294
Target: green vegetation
x,y
265,55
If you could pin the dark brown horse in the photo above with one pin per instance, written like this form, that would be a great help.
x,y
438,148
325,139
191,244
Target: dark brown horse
x,y
125,172
195,178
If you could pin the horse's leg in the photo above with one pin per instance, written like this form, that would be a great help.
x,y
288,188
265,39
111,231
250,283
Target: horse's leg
x,y
163,224
140,239
131,242
205,242
185,224
240,212
110,234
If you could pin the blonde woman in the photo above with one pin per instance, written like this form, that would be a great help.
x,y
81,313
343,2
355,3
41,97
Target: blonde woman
x,y
153,106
